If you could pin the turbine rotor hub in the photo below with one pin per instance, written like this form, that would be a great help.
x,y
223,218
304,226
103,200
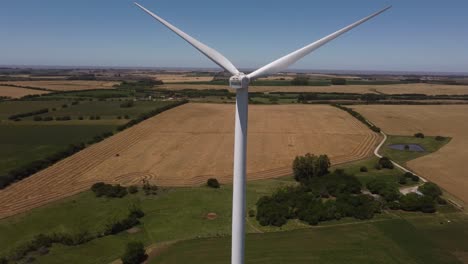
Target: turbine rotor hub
x,y
239,81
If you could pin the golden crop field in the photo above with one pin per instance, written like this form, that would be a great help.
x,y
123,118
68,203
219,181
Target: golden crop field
x,y
15,92
67,85
447,167
429,89
189,144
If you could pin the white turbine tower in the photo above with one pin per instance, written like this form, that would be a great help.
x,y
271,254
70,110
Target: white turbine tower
x,y
240,82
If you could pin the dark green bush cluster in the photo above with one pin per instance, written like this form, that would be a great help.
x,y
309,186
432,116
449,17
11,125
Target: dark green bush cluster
x,y
130,221
108,190
387,191
19,116
416,202
408,176
213,183
149,189
419,135
307,202
359,117
94,117
147,115
132,189
385,163
134,253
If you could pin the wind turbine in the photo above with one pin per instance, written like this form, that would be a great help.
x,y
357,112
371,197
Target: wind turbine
x,y
240,82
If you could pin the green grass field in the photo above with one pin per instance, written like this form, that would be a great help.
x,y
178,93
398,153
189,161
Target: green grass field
x,y
105,109
430,144
8,108
21,144
388,241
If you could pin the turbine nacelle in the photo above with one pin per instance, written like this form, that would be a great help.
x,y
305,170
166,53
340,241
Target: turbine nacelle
x,y
239,81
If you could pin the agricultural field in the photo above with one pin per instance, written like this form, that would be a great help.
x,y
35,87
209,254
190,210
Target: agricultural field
x,y
189,144
445,167
177,228
15,92
66,85
428,89
25,143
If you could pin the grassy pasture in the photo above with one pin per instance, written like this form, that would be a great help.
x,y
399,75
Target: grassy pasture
x,y
430,144
105,109
390,241
9,108
25,143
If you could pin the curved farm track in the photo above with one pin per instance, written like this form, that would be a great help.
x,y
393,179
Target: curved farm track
x,y
189,144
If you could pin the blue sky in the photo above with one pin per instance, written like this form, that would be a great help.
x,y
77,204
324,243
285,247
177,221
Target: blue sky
x,y
415,35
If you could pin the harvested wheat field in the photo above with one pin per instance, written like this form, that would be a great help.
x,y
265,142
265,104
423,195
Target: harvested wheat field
x,y
428,89
447,167
66,85
15,92
189,144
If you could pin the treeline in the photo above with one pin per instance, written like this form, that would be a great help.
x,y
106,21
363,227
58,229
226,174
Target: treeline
x,y
27,87
41,243
359,117
36,166
150,114
101,189
17,117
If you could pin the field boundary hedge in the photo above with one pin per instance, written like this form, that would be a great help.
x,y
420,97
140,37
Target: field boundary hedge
x,y
38,165
359,117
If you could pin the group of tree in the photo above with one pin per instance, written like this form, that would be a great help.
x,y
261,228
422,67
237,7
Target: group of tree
x,y
419,135
305,97
323,196
359,117
408,176
148,188
18,117
134,253
384,163
41,243
310,166
101,189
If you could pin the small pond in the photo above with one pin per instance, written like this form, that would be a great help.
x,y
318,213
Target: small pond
x,y
412,147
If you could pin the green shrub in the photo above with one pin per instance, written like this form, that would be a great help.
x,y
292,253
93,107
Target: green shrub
x,y
419,135
440,138
251,213
363,169
132,189
430,189
107,190
213,183
386,163
134,253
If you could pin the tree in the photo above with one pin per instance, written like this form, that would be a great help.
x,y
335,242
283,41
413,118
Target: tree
x,y
213,183
386,163
134,253
430,189
419,135
308,166
363,169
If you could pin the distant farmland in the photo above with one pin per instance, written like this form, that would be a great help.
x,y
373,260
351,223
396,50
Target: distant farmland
x,y
420,88
65,85
446,167
15,92
186,145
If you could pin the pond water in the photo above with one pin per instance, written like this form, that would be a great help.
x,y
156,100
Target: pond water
x,y
412,147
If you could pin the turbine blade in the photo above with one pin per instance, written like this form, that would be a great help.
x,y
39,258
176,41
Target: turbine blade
x,y
212,54
284,62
